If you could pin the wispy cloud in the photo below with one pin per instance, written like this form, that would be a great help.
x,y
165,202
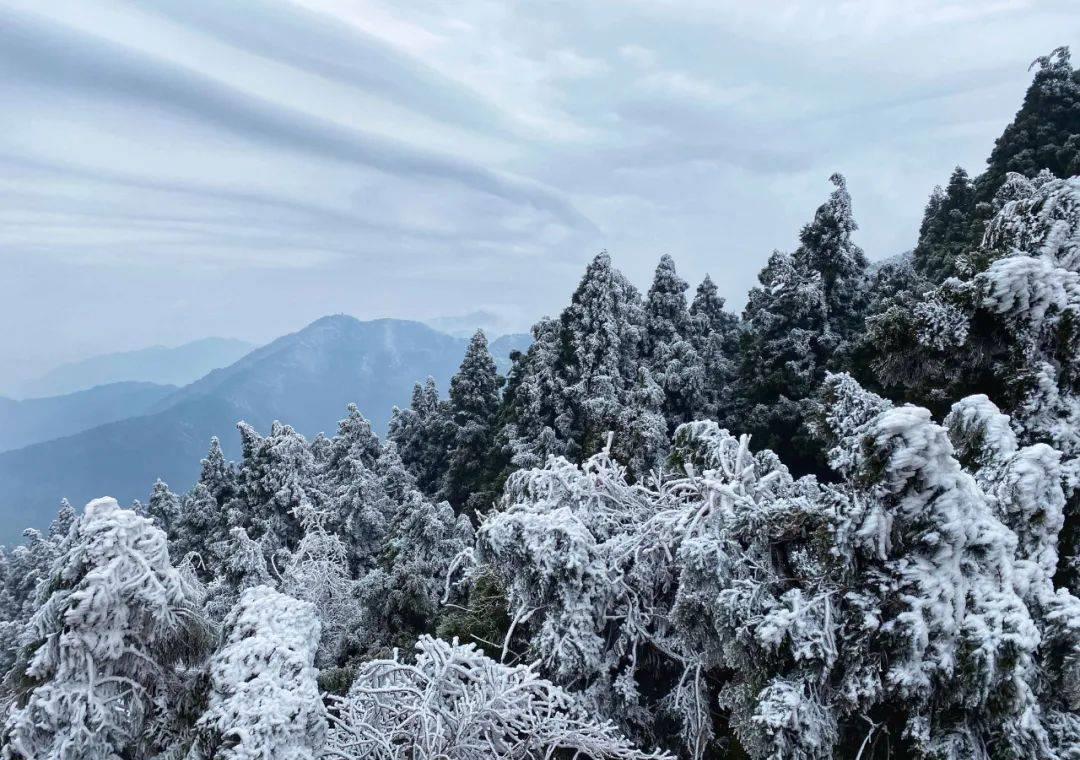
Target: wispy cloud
x,y
62,58
267,161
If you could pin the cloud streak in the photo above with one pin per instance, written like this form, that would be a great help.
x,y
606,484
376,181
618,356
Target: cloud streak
x,y
31,50
180,168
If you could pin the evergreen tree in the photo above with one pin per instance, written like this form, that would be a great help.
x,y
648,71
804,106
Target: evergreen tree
x,y
401,596
422,435
164,509
244,565
781,359
61,524
264,697
218,476
536,411
807,314
714,333
669,352
826,249
602,338
1006,330
574,385
945,236
473,411
360,509
643,443
1045,134
97,666
22,573
201,529
277,475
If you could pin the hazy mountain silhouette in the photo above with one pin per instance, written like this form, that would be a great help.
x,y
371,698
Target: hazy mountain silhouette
x,y
305,379
31,421
178,365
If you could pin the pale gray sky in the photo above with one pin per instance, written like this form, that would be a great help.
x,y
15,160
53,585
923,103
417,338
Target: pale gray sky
x,y
180,168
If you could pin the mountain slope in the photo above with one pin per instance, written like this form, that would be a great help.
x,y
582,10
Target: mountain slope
x,y
120,459
23,423
305,379
158,364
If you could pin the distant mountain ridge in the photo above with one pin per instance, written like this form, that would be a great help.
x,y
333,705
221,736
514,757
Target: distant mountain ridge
x,y
178,365
23,423
305,379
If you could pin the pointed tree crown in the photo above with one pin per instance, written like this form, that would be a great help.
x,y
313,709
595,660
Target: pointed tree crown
x,y
474,390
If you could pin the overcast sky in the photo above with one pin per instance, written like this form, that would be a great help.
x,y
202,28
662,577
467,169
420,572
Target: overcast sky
x,y
174,169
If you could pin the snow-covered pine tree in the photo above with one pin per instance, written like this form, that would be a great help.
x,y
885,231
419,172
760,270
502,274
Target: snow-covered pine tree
x,y
1009,329
603,333
202,519
218,475
61,524
96,669
359,507
244,565
422,435
401,596
355,441
781,358
669,351
202,530
264,697
536,412
714,333
826,248
277,475
164,509
21,574
643,440
808,310
1045,134
473,410
945,236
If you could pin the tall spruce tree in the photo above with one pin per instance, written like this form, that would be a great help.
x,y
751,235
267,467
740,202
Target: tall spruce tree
x,y
473,412
360,510
670,354
808,309
422,435
780,358
536,411
826,248
1045,134
603,335
164,509
218,475
277,475
946,232
714,333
